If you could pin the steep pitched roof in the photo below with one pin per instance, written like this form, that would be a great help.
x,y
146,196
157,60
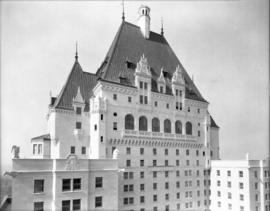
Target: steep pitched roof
x,y
213,123
77,78
127,48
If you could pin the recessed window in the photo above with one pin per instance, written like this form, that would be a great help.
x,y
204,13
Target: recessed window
x,y
78,110
178,184
154,186
128,163
218,183
72,150
241,173
154,162
77,184
101,139
181,106
156,103
141,151
128,150
78,125
177,162
145,100
39,186
99,183
98,201
166,185
154,151
166,173
141,85
39,206
66,184
95,127
199,133
188,109
141,174
129,99
141,99
141,163
142,199
115,96
76,204
166,162
154,174
166,151
167,105
145,86
155,198
177,173
83,150
115,126
141,187
101,116
177,151
65,205
187,152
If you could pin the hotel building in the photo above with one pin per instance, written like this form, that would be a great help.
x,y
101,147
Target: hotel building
x,y
134,135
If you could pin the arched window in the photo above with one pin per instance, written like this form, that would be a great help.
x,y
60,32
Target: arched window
x,y
129,122
143,123
178,127
155,125
188,128
167,126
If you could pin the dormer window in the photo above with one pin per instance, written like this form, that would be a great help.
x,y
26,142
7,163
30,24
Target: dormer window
x,y
145,86
161,89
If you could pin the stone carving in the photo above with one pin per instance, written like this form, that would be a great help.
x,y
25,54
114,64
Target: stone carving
x,y
143,67
161,78
16,151
178,77
115,154
72,162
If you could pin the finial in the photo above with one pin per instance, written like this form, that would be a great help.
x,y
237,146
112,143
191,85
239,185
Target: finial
x,y
162,32
123,11
76,54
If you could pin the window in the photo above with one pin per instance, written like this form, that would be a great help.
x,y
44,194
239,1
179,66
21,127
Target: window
x,y
130,175
129,99
241,185
115,96
167,207
145,100
128,150
142,174
178,127
181,106
219,204
101,116
228,173
156,103
141,99
154,151
155,209
128,163
115,126
199,133
167,105
218,172
256,185
154,162
76,204
241,208
167,196
154,186
38,206
240,173
197,162
187,162
95,127
255,174
141,163
203,153
177,162
39,186
241,197
218,194
78,125
145,86
78,110
66,205
39,149
101,139
229,195
198,110
141,85
129,122
198,173
176,106
77,184
198,183
154,197
256,197
142,187
187,151
125,175
161,89
167,126
141,151
166,152
229,184
177,173
166,162
99,182
197,152
188,128
34,148
177,151
83,150
218,183
154,174
142,199
155,125
143,123
188,109
178,184
98,201
180,93
166,174
66,184
176,92
125,188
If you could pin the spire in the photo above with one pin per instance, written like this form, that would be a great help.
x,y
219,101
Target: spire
x,y
162,32
76,54
123,11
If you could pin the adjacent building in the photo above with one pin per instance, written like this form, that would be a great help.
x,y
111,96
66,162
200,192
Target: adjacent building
x,y
135,135
240,185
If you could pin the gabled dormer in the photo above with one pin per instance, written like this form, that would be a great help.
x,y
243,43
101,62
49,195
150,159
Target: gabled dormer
x,y
178,88
143,80
78,102
161,82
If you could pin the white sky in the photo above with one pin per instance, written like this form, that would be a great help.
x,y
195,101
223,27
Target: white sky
x,y
224,44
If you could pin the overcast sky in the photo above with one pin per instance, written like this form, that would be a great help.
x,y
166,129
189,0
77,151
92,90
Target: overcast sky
x,y
224,44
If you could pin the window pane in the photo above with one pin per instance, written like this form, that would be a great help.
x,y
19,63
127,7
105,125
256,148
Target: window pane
x,y
38,206
38,186
66,185
66,205
77,184
76,204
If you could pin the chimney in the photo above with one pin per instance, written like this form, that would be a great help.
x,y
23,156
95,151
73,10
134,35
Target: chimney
x,y
144,20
